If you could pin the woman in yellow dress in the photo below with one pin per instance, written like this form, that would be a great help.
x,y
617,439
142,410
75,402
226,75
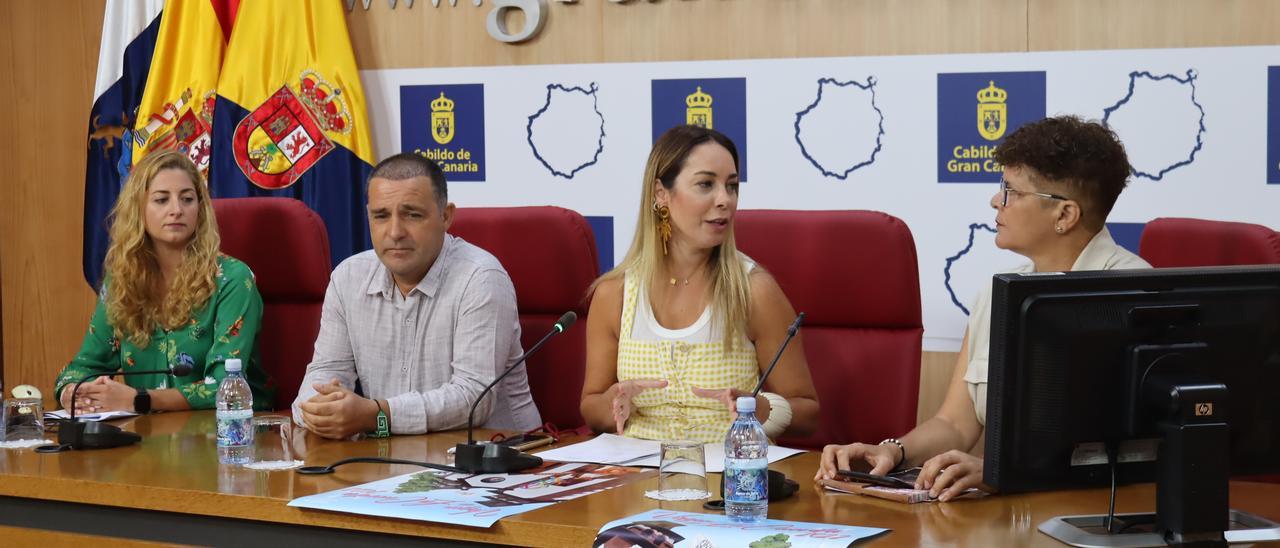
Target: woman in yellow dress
x,y
686,323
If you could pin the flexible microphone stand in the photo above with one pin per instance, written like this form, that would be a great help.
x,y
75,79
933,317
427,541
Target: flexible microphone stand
x,y
791,333
77,434
492,458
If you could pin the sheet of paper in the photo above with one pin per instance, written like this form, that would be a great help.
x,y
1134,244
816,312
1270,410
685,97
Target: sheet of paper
x,y
604,449
614,449
63,414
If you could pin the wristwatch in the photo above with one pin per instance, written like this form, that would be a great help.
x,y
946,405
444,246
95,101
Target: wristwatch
x,y
142,402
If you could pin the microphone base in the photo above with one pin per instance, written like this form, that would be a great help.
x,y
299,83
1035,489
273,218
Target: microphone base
x,y
94,435
492,458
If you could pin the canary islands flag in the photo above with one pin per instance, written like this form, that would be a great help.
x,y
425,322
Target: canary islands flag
x,y
176,111
290,116
129,30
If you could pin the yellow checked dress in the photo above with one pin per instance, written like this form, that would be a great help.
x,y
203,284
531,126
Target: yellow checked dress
x,y
694,356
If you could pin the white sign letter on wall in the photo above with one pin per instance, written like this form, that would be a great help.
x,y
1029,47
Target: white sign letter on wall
x,y
534,18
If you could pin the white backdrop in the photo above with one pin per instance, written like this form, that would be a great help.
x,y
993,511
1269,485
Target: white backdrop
x,y
1159,123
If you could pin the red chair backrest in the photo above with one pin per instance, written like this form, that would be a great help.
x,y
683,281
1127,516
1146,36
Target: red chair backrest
x,y
286,245
1179,242
550,254
854,275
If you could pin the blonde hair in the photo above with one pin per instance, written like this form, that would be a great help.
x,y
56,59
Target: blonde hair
x,y
132,296
731,288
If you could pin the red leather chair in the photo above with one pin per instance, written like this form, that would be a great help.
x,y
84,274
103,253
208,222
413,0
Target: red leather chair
x,y
1177,242
286,245
854,275
550,254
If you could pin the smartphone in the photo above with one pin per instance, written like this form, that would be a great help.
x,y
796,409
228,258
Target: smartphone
x,y
525,442
884,481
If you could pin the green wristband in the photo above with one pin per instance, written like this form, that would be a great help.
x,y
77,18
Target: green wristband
x,y
384,426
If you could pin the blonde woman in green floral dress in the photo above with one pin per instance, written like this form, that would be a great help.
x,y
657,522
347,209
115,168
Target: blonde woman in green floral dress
x,y
167,296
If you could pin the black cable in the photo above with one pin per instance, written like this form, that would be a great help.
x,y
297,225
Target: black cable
x,y
1111,460
314,470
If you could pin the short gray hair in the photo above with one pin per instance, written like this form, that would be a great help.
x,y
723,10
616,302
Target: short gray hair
x,y
407,165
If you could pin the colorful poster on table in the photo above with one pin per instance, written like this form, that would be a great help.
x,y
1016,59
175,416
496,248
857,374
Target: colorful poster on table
x,y
671,529
475,500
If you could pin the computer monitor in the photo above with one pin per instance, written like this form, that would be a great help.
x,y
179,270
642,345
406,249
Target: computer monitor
x,y
1174,371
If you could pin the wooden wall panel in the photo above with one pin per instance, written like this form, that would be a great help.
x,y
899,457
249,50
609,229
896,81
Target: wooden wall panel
x,y
49,57
1110,24
456,36
680,30
667,31
935,377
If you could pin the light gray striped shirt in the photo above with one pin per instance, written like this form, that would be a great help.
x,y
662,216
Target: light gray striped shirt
x,y
430,353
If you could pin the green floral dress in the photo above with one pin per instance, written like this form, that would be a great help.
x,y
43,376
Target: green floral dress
x,y
226,327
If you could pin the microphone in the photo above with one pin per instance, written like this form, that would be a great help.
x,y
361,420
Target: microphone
x,y
74,434
791,332
492,458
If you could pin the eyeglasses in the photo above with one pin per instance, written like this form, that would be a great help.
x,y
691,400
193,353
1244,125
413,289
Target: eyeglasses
x,y
1005,190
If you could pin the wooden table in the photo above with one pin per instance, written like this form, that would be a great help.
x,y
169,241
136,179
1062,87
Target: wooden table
x,y
170,488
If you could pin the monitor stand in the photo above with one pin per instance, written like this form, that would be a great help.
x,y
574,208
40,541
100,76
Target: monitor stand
x,y
1192,483
1091,531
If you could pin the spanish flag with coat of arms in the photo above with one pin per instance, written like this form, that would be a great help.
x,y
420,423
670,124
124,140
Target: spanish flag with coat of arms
x,y
290,116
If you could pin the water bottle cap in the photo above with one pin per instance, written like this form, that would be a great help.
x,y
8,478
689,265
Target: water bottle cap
x,y
233,365
746,404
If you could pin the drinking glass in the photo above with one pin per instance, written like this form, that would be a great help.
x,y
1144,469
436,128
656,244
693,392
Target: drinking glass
x,y
273,443
22,420
682,471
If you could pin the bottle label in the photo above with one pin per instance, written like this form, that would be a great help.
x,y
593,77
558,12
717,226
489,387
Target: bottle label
x,y
746,480
235,428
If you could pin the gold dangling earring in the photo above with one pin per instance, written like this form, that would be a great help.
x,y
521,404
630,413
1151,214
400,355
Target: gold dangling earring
x,y
664,224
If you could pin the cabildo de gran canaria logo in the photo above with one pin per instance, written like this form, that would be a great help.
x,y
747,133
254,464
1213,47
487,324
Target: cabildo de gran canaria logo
x,y
698,109
1002,101
715,103
445,124
993,114
1273,125
442,120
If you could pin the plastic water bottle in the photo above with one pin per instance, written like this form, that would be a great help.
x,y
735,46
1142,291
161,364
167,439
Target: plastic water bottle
x,y
746,466
235,417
